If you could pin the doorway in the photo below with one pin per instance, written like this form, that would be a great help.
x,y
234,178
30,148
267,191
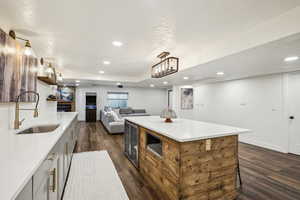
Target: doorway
x,y
294,112
91,107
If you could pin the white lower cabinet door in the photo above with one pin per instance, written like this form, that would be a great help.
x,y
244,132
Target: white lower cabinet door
x,y
26,193
48,190
66,159
42,193
60,172
72,144
73,139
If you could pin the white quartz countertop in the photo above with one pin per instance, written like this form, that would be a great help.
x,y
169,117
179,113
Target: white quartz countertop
x,y
185,130
21,155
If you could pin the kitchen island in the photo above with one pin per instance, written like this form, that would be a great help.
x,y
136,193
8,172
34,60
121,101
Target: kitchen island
x,y
186,159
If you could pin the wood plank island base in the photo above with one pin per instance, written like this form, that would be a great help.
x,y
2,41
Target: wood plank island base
x,y
184,160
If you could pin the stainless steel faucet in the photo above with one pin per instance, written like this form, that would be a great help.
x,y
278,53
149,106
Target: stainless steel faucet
x,y
17,122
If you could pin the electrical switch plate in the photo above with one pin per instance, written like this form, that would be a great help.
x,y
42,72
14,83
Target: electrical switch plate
x,y
208,145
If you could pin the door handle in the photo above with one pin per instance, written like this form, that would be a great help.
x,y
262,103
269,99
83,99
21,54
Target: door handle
x,y
292,117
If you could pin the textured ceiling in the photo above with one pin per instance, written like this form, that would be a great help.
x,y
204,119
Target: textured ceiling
x,y
78,34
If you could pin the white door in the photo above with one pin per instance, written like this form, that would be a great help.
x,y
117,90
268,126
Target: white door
x,y
170,99
294,112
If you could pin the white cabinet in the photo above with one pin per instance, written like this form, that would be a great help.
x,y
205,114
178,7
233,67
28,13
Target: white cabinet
x,y
41,182
60,172
49,180
66,159
45,180
42,192
26,193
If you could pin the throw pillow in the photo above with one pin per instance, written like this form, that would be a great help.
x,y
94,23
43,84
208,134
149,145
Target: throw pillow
x,y
115,116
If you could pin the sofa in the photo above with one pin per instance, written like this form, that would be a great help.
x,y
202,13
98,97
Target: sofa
x,y
113,119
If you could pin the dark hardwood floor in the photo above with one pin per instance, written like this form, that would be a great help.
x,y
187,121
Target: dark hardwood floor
x,y
266,174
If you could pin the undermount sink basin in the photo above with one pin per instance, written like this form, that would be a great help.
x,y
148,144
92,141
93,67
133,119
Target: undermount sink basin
x,y
39,129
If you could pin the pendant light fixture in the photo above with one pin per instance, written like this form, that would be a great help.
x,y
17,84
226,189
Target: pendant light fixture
x,y
47,72
167,66
41,68
27,49
59,77
50,70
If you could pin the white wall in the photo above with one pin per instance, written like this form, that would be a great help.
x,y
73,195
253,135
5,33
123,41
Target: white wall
x,y
152,99
47,110
254,103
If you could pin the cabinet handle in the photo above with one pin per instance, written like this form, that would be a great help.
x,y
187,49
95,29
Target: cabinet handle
x,y
51,157
53,186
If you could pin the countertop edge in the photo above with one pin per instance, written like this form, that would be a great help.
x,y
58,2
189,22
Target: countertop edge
x,y
224,134
29,176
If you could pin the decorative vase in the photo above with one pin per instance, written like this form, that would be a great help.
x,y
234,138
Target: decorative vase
x,y
168,114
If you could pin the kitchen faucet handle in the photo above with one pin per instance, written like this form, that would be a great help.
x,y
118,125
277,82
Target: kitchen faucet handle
x,y
35,113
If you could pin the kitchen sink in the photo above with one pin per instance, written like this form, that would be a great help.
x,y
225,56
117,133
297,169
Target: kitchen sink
x,y
40,129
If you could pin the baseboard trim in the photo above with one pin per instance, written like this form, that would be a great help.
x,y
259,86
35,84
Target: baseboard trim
x,y
263,144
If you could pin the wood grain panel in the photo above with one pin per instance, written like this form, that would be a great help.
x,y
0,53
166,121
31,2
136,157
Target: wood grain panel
x,y
18,71
209,172
190,164
161,172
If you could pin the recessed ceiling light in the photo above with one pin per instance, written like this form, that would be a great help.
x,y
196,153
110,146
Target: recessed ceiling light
x,y
106,62
151,85
101,72
165,82
185,78
77,81
117,43
291,58
220,73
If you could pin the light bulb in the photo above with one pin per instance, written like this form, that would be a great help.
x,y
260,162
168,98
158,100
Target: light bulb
x,y
59,77
27,51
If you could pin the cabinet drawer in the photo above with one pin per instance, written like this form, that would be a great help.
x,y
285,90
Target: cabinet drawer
x,y
41,174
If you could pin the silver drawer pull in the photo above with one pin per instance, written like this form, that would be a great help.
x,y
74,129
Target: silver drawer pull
x,y
53,174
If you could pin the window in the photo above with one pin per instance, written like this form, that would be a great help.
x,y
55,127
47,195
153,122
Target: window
x,y
117,99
